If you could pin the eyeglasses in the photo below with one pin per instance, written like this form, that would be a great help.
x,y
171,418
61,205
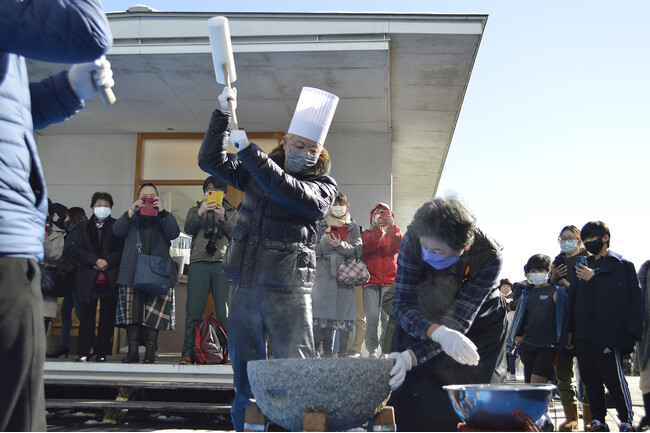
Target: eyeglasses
x,y
569,239
312,150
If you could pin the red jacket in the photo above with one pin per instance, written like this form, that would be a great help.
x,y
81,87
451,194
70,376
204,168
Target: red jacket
x,y
380,251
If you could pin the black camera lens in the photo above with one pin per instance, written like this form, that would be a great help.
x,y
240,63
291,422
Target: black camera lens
x,y
211,247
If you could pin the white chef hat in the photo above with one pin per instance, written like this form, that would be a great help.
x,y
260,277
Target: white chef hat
x,y
313,114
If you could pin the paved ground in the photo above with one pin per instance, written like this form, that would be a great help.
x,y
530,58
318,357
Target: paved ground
x,y
557,412
147,421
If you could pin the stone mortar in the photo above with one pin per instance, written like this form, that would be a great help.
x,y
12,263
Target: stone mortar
x,y
349,390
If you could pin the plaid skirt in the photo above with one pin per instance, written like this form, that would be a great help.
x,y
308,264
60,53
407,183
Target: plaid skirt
x,y
155,311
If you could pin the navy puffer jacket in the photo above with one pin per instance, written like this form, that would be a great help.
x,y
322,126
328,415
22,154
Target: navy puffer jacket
x,y
63,31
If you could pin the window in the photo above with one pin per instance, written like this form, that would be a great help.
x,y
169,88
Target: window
x,y
169,161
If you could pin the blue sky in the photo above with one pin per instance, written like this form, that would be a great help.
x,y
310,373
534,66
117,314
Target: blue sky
x,y
554,126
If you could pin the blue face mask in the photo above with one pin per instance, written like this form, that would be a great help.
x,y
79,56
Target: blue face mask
x,y
437,261
299,161
569,246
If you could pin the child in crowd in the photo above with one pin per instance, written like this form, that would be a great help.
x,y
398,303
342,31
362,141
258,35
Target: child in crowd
x,y
537,325
605,322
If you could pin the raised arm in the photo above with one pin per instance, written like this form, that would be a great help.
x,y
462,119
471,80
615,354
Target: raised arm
x,y
214,157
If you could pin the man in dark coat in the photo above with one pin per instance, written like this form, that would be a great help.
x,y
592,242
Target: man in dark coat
x,y
271,260
63,31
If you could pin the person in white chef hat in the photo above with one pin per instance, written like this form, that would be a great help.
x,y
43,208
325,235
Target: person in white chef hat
x,y
270,259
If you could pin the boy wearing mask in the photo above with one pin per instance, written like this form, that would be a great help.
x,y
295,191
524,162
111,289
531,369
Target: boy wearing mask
x,y
606,320
537,325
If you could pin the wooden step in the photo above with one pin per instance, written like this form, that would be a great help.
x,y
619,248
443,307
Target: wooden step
x,y
171,406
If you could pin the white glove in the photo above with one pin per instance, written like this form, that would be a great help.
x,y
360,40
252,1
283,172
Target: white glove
x,y
228,93
239,140
460,348
403,363
85,78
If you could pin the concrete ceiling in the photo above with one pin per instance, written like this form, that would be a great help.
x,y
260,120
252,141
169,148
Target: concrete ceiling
x,y
399,74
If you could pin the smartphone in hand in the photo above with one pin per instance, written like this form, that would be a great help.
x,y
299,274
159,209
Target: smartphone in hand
x,y
340,232
581,260
148,207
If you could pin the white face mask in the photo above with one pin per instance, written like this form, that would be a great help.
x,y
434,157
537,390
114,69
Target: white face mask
x,y
538,279
102,212
339,211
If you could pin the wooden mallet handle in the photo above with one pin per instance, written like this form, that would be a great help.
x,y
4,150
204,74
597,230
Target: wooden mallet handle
x,y
234,115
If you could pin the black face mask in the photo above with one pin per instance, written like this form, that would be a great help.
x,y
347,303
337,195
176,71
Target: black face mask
x,y
594,247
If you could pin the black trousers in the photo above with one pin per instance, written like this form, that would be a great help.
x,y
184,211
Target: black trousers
x,y
22,346
105,328
600,365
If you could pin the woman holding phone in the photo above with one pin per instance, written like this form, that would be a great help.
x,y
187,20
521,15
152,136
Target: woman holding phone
x,y
381,244
563,266
143,313
334,303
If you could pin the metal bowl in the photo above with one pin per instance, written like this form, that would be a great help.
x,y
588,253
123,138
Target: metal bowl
x,y
500,405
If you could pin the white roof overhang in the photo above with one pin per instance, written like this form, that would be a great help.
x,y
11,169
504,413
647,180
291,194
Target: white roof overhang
x,y
401,74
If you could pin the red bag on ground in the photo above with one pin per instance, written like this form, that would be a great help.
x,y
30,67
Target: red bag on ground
x,y
210,342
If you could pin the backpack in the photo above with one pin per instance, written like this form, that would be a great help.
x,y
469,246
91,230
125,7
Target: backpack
x,y
210,342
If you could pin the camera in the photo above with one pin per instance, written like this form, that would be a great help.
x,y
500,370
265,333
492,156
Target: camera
x,y
211,247
213,236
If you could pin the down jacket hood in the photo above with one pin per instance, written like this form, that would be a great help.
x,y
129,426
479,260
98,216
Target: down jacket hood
x,y
380,205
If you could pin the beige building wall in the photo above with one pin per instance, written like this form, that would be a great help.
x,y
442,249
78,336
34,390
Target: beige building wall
x,y
76,166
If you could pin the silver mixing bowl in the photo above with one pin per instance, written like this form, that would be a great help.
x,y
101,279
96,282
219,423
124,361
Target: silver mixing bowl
x,y
500,405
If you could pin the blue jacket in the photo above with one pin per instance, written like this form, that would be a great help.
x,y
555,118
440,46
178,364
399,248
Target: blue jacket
x,y
561,310
618,302
63,31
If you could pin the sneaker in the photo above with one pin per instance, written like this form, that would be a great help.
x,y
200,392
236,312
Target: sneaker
x,y
373,354
353,354
598,426
185,360
643,424
626,427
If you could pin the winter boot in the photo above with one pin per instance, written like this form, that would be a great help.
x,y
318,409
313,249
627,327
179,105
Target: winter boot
x,y
151,345
586,415
571,415
327,342
133,356
150,352
344,336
